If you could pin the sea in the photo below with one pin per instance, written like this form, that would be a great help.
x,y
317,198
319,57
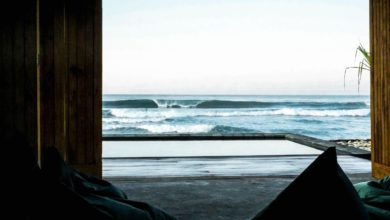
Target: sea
x,y
321,116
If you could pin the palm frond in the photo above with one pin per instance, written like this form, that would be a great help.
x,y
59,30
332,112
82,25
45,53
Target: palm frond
x,y
364,64
365,53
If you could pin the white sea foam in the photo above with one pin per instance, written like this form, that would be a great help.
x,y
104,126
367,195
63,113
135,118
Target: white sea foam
x,y
318,113
140,115
167,103
124,120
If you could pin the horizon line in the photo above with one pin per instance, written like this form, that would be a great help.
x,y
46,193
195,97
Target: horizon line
x,y
151,94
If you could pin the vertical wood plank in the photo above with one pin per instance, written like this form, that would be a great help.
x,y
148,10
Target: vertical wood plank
x,y
380,86
372,78
70,78
79,9
47,98
84,95
19,73
98,84
386,62
60,79
72,72
18,68
8,73
77,77
52,75
89,80
30,62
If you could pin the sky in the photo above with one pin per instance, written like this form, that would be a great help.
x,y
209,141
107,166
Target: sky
x,y
233,47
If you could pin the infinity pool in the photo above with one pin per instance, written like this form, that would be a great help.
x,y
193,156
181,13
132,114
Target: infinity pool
x,y
204,148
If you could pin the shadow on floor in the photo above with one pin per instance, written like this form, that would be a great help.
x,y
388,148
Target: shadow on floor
x,y
213,198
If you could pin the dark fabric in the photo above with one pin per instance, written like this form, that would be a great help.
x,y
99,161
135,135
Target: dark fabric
x,y
322,191
56,201
98,193
59,192
18,175
56,169
27,194
376,197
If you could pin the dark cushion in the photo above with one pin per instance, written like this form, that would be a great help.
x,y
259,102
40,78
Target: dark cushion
x,y
56,201
27,194
98,193
376,197
55,168
20,173
322,191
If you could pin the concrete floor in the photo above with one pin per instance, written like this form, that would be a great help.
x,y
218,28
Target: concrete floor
x,y
212,198
191,186
223,166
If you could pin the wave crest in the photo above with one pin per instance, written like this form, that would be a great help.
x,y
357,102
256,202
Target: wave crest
x,y
172,113
218,104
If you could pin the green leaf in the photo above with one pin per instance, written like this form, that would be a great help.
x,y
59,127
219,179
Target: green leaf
x,y
364,64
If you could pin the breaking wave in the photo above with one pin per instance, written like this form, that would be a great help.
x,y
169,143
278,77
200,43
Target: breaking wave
x,y
178,129
217,104
328,117
162,115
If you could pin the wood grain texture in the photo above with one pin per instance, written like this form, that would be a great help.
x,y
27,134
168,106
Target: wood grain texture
x,y
47,87
380,170
84,33
53,78
380,86
60,77
56,102
71,80
98,83
18,51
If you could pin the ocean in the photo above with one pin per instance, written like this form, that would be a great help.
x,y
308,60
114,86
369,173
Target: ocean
x,y
325,117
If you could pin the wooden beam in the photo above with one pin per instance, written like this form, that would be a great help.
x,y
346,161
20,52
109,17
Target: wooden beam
x,y
71,81
18,68
51,68
84,34
53,74
380,86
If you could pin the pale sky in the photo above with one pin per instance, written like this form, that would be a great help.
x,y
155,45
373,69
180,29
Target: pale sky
x,y
259,47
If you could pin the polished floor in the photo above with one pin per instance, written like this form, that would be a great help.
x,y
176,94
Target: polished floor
x,y
208,184
211,198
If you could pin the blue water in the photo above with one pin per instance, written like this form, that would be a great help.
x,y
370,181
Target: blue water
x,y
326,117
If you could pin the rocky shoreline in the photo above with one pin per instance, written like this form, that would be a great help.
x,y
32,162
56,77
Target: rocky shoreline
x,y
364,144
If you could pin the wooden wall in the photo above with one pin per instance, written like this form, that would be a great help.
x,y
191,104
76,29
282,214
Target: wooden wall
x,y
53,76
71,80
380,86
51,68
18,69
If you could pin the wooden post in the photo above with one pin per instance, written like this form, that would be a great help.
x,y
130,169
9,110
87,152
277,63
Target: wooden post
x,y
18,69
380,87
84,72
51,69
71,81
53,80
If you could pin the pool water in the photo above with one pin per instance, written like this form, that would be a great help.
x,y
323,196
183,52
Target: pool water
x,y
202,148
